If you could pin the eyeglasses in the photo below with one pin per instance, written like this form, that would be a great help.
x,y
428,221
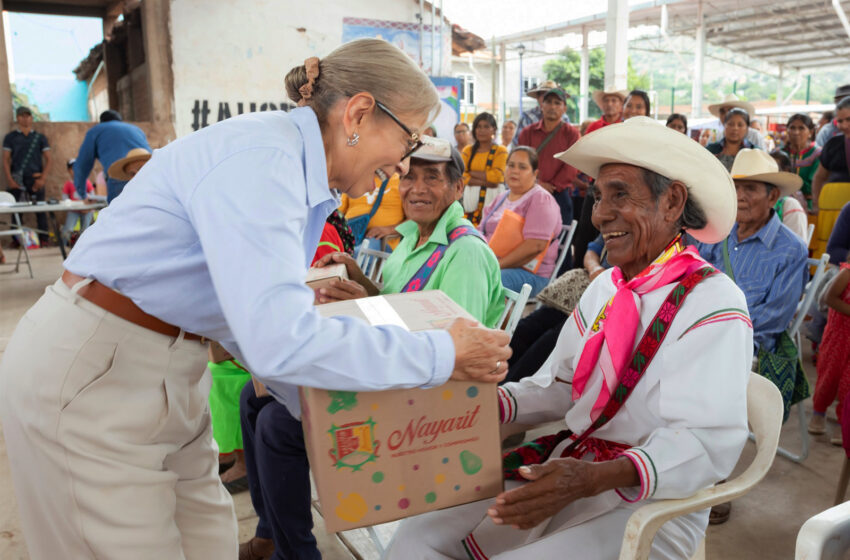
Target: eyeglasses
x,y
414,143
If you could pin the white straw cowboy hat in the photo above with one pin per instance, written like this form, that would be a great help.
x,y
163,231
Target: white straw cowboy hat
x,y
644,142
116,170
542,88
731,101
757,165
600,94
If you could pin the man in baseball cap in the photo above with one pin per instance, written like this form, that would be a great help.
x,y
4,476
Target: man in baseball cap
x,y
536,114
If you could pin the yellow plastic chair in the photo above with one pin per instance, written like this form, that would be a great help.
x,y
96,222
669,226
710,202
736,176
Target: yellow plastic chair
x,y
764,411
832,199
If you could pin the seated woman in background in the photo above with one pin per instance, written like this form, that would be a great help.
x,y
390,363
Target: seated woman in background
x,y
485,167
678,122
736,123
788,208
636,105
380,233
803,152
522,225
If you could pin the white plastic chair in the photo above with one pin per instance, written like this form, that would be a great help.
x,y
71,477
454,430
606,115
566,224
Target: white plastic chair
x,y
803,307
514,306
565,239
371,262
764,411
826,536
809,232
15,228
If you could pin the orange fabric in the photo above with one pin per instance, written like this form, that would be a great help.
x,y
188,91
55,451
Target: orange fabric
x,y
508,236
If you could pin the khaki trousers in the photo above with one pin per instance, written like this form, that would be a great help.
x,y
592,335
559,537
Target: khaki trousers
x,y
109,439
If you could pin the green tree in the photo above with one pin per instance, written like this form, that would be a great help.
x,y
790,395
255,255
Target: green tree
x,y
566,69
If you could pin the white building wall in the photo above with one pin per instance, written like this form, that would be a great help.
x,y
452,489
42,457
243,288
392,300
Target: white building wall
x,y
481,69
232,57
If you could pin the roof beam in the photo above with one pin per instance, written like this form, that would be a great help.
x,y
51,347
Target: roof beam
x,y
806,61
51,8
778,50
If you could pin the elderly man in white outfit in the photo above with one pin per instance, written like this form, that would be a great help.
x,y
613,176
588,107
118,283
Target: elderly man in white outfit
x,y
654,362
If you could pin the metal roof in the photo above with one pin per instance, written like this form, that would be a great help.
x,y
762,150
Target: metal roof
x,y
794,33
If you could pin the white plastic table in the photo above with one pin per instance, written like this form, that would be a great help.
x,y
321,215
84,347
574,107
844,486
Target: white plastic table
x,y
50,210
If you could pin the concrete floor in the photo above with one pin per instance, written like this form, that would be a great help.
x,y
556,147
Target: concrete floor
x,y
764,523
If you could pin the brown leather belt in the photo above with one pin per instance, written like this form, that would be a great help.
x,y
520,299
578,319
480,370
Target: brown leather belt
x,y
122,306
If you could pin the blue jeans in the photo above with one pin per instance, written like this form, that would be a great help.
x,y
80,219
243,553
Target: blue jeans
x,y
71,222
278,475
514,278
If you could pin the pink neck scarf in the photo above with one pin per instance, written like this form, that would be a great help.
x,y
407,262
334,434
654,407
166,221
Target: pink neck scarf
x,y
615,329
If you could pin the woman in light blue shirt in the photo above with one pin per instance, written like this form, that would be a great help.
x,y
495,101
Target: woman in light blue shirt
x,y
107,428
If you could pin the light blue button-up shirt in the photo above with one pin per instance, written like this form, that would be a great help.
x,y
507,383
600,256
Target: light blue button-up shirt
x,y
770,268
215,235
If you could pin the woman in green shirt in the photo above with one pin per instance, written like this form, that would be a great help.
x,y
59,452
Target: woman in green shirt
x,y
803,152
466,270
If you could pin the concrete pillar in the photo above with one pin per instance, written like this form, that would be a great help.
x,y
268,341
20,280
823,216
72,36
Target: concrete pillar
x,y
699,59
6,114
617,44
584,78
155,24
779,86
503,79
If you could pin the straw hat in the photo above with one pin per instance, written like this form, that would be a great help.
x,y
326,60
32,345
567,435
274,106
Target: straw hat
x,y
600,94
757,165
646,143
542,88
731,101
116,170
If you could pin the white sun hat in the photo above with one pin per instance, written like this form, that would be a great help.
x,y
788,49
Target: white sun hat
x,y
757,165
731,101
600,94
644,142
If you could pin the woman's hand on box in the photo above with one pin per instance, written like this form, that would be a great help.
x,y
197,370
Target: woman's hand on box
x,y
481,354
340,290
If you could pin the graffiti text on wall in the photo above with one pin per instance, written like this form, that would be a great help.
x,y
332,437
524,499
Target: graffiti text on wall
x,y
203,116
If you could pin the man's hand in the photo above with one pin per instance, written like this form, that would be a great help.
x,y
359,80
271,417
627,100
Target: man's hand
x,y
554,485
549,187
13,184
38,184
340,290
381,232
351,267
481,354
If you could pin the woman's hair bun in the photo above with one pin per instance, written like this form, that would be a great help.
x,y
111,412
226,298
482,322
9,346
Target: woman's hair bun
x,y
295,78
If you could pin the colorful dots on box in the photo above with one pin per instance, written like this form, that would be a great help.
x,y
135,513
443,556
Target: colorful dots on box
x,y
470,462
440,478
445,460
401,488
378,507
410,402
403,503
416,467
351,508
430,497
377,477
472,392
374,407
447,394
457,487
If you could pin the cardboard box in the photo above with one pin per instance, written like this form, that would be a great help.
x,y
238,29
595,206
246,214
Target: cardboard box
x,y
380,456
321,277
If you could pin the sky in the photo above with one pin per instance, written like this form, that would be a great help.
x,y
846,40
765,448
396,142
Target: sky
x,y
44,52
500,17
